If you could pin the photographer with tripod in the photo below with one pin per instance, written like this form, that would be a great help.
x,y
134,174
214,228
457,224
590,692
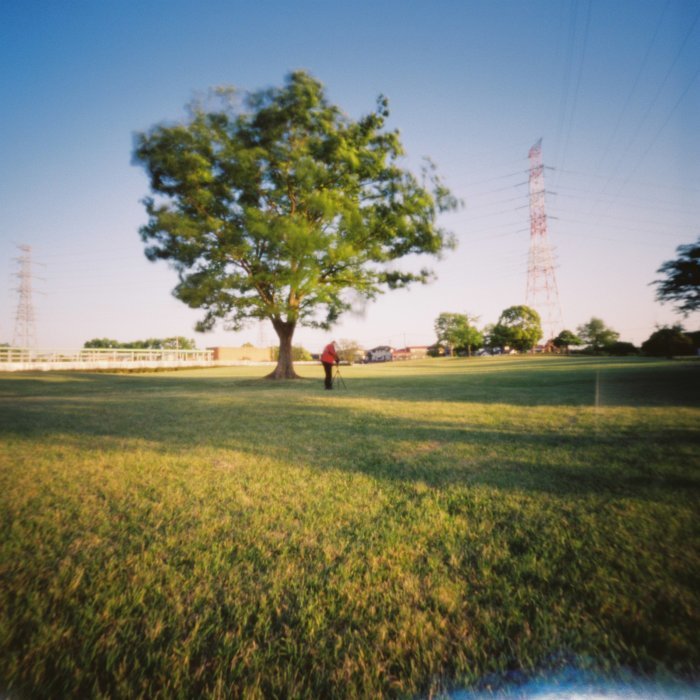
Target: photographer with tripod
x,y
329,357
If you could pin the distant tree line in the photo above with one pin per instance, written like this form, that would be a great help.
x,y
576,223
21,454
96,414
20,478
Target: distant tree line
x,y
519,329
298,354
174,343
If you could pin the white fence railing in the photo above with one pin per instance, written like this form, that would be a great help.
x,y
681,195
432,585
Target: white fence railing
x,y
117,355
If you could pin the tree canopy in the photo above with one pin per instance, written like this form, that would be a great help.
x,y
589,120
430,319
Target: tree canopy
x,y
457,332
681,285
565,339
596,334
348,350
173,343
518,327
668,341
277,206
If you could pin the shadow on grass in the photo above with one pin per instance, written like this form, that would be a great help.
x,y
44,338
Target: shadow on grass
x,y
527,381
301,425
549,383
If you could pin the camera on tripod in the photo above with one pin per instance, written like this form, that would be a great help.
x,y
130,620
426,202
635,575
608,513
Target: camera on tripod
x,y
338,380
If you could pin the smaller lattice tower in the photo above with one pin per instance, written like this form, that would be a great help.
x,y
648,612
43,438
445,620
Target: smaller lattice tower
x,y
542,293
263,339
25,326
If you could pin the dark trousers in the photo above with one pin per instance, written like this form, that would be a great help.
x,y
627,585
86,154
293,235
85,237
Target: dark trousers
x,y
328,369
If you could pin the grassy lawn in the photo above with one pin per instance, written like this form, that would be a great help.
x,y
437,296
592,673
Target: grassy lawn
x,y
208,533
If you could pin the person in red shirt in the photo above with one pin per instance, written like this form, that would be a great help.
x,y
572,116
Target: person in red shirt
x,y
329,357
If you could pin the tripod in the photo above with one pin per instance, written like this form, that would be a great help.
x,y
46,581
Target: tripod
x,y
338,380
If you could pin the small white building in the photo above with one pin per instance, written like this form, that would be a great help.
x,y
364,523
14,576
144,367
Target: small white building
x,y
382,353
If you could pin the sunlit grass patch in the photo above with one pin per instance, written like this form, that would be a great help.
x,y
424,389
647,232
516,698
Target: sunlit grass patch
x,y
211,533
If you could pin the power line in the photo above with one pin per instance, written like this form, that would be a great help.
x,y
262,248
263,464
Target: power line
x,y
642,66
661,129
494,179
636,202
652,104
577,88
641,183
569,60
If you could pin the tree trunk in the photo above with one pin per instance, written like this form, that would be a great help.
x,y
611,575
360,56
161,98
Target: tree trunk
x,y
285,365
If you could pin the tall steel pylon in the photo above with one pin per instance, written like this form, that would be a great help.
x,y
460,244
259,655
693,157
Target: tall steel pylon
x,y
25,326
542,293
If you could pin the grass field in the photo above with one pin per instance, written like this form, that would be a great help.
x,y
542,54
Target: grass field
x,y
207,533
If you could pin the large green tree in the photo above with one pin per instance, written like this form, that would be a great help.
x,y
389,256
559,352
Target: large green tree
x,y
457,332
596,334
668,341
682,282
518,327
278,206
565,339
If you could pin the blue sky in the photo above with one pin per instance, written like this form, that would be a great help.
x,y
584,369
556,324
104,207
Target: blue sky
x,y
611,86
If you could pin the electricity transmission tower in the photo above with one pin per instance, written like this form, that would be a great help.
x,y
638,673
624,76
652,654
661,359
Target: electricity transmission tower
x,y
542,293
25,327
263,340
